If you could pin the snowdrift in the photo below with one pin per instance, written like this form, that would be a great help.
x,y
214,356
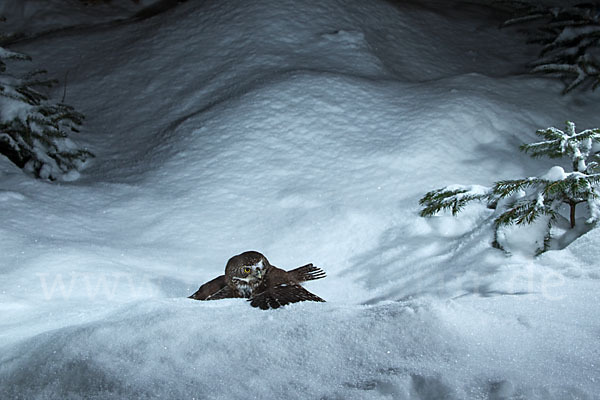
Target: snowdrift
x,y
308,131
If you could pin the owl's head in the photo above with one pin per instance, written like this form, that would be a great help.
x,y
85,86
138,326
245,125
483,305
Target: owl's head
x,y
245,271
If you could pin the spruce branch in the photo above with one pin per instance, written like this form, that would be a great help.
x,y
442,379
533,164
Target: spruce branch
x,y
568,143
523,11
522,212
507,188
450,199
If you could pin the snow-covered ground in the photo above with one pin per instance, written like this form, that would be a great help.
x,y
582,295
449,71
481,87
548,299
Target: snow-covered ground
x,y
308,131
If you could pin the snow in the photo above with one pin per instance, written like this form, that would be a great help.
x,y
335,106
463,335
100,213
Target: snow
x,y
308,132
556,173
10,108
571,33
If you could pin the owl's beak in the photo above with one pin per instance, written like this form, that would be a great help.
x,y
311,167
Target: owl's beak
x,y
259,273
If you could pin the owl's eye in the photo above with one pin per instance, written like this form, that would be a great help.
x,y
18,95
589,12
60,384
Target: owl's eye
x,y
247,270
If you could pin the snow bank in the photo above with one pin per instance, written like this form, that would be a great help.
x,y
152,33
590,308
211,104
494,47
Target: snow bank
x,y
309,132
175,349
416,351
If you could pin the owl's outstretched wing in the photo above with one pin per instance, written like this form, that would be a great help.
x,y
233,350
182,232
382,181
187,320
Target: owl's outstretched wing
x,y
307,272
215,290
282,294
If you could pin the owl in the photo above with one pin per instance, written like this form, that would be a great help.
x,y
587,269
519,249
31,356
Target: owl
x,y
250,275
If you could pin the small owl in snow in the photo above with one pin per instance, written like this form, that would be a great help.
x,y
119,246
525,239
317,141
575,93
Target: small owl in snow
x,y
250,275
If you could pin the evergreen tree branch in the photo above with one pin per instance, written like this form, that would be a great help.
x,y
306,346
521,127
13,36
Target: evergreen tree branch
x,y
449,199
507,188
523,212
568,36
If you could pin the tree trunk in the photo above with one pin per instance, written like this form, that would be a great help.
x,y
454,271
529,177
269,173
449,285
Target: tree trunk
x,y
572,204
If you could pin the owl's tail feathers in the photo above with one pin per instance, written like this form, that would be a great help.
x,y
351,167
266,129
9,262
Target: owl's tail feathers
x,y
307,272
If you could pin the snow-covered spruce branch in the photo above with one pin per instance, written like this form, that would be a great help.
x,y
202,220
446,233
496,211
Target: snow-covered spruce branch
x,y
567,35
453,198
525,211
34,131
524,201
568,143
